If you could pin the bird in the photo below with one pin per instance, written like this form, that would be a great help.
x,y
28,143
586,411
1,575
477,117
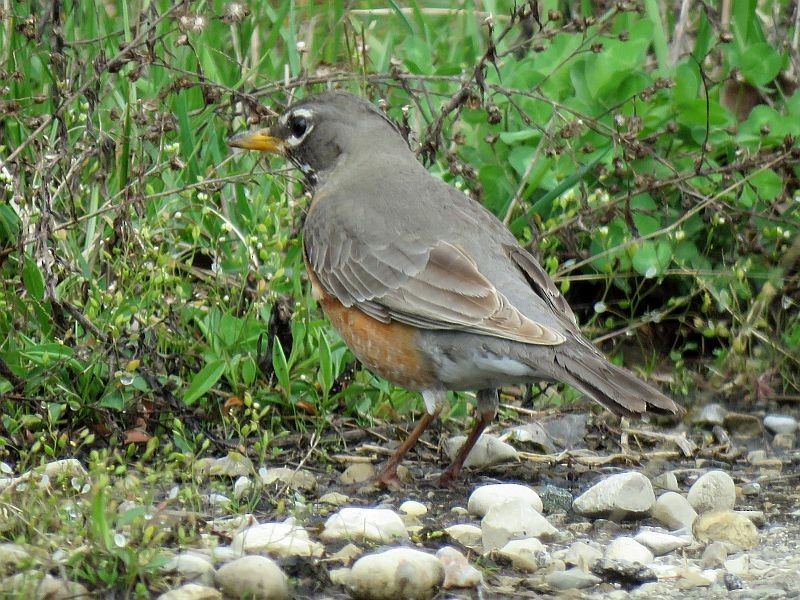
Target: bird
x,y
427,287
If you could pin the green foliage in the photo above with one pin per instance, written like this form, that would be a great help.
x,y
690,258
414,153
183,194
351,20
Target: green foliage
x,y
142,262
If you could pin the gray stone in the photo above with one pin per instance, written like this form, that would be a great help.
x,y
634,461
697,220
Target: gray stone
x,y
626,548
357,473
513,520
715,555
458,573
726,526
278,539
465,534
527,554
711,414
674,511
666,482
623,493
296,479
660,543
714,490
488,496
191,591
255,577
193,567
555,499
583,555
396,573
486,452
780,423
373,524
571,579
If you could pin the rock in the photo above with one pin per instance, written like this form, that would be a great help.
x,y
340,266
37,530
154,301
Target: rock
x,y
465,534
458,573
528,554
255,577
785,441
714,555
396,573
674,511
532,434
571,579
191,566
217,500
711,414
241,486
583,555
224,554
488,451
191,591
780,424
55,588
623,572
660,543
743,425
726,526
296,479
357,473
334,498
604,530
758,517
732,582
488,496
13,556
512,520
373,524
626,548
623,493
412,508
347,554
555,499
229,526
232,465
279,539
666,482
714,490
69,467
340,576
752,488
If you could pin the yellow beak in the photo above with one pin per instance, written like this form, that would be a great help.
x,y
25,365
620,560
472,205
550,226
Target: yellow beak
x,y
260,140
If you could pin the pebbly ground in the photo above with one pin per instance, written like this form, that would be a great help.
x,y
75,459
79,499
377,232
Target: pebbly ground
x,y
708,508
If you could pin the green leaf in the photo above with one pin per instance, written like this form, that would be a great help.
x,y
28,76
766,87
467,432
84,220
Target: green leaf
x,y
652,258
9,225
768,184
280,366
512,137
758,63
33,279
325,373
248,370
98,523
204,380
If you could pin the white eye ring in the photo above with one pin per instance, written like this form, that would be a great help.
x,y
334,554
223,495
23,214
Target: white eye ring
x,y
302,117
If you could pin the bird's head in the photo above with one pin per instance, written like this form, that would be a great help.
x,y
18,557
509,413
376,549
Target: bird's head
x,y
316,133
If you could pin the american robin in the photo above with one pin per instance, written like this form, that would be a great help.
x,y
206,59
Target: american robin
x,y
427,287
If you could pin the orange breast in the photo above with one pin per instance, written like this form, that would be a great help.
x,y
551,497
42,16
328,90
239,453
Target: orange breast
x,y
387,349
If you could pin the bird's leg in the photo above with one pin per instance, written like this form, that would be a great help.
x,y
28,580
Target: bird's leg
x,y
433,405
487,409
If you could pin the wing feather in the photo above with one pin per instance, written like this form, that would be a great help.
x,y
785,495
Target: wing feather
x,y
432,286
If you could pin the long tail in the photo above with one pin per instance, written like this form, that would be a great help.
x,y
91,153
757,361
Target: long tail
x,y
617,389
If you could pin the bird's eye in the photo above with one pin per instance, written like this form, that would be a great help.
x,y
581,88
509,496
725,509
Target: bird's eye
x,y
298,126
